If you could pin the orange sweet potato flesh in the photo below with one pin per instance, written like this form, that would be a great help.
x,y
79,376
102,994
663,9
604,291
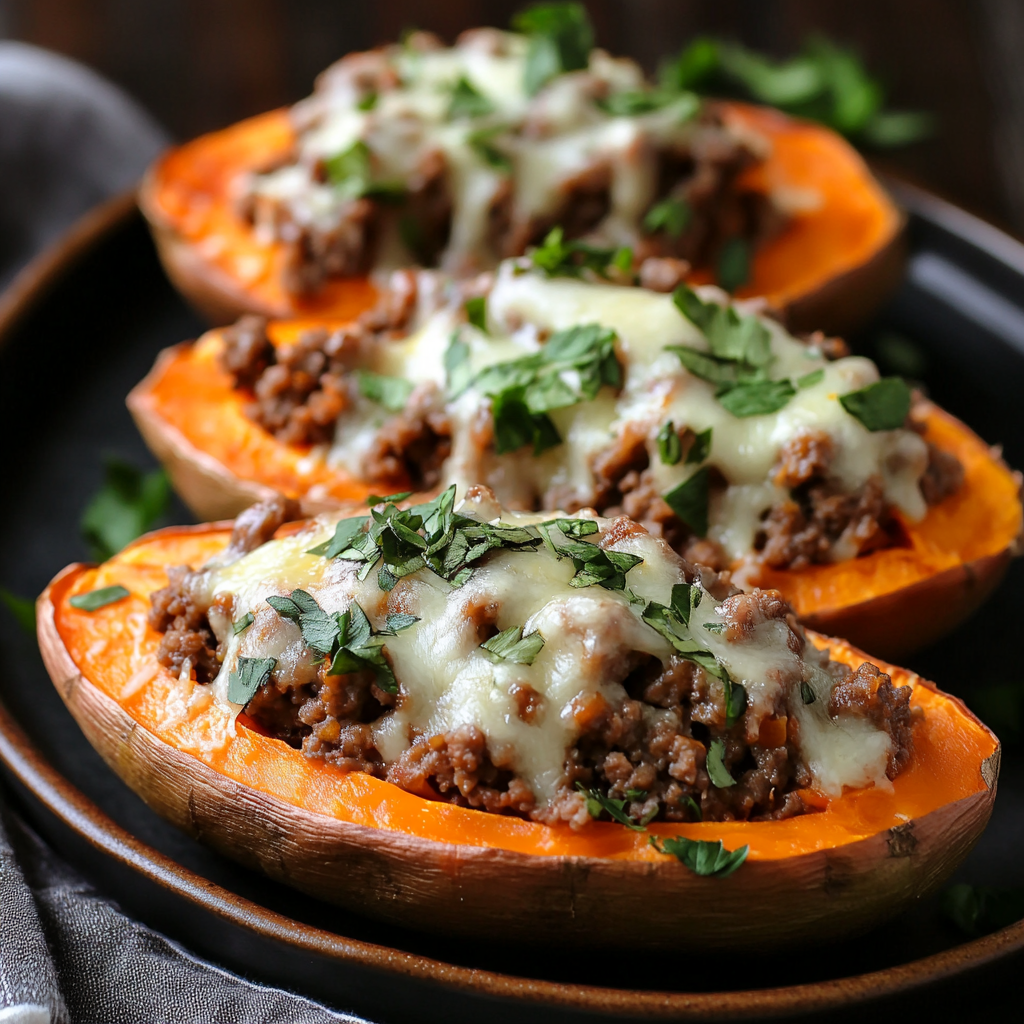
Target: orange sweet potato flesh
x,y
829,269
251,796
892,601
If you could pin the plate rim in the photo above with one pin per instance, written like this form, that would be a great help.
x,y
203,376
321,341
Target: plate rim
x,y
74,809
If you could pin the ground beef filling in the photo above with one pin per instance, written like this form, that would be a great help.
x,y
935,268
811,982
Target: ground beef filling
x,y
701,173
648,749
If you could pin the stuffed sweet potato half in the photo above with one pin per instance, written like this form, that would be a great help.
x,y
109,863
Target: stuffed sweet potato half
x,y
456,157
783,460
493,723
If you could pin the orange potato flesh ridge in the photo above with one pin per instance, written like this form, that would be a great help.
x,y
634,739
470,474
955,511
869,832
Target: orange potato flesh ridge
x,y
840,217
193,395
114,649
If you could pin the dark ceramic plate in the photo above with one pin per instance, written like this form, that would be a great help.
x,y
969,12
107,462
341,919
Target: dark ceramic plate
x,y
86,323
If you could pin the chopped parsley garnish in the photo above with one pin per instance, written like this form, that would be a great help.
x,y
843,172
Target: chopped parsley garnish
x,y
807,694
689,501
345,639
597,803
670,215
390,392
481,141
670,448
22,608
457,368
468,101
572,367
558,258
700,449
808,380
735,701
128,504
702,857
883,405
350,173
368,101
633,103
249,675
243,623
717,772
673,622
694,807
738,359
734,264
397,621
561,38
96,599
511,645
593,564
476,312
824,82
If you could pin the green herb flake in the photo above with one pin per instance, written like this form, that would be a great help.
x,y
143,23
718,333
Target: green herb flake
x,y
670,448
249,675
689,501
757,398
511,645
129,503
672,216
457,368
883,405
398,621
700,449
636,794
96,599
560,39
711,859
698,814
468,101
476,312
808,380
482,142
735,702
556,257
734,264
717,772
807,694
242,624
391,392
597,803
22,608
367,101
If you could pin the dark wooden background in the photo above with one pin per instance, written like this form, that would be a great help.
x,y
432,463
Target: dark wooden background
x,y
199,64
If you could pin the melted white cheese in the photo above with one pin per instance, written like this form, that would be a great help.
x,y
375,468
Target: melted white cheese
x,y
446,680
523,307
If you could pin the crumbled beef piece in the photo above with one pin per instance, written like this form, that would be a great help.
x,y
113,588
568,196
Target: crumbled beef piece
x,y
411,447
943,476
869,693
803,457
617,468
456,767
176,612
247,350
830,348
743,613
395,305
312,255
663,274
259,522
804,530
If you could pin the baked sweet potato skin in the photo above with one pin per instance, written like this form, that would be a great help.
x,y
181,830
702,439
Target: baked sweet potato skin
x,y
840,256
363,843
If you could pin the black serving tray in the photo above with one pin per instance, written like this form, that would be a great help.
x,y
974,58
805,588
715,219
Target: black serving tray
x,y
85,323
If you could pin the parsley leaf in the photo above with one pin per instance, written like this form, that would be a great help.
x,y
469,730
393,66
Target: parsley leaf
x,y
757,398
511,645
672,216
700,449
735,701
128,504
350,173
670,448
368,101
689,501
397,621
476,312
561,38
22,608
633,103
390,392
808,380
558,258
673,624
807,694
249,675
96,599
593,564
481,142
468,101
883,405
717,772
702,857
242,624
597,803
734,264
457,368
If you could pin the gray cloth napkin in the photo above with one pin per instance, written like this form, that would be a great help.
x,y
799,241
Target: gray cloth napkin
x,y
69,139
